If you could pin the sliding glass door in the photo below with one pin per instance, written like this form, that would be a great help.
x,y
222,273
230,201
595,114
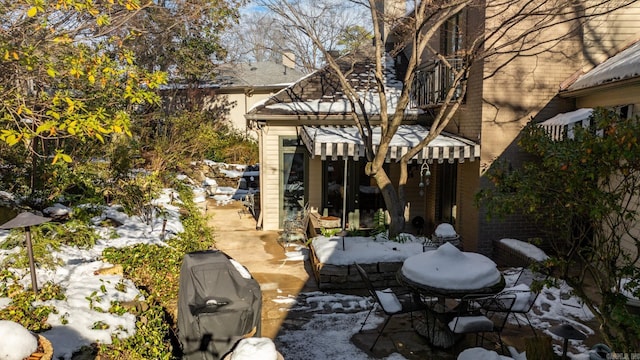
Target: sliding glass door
x,y
293,164
363,195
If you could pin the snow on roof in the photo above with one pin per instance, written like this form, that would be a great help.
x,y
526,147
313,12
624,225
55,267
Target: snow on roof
x,y
624,65
322,93
562,125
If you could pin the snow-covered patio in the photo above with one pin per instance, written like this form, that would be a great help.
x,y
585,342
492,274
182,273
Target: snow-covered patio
x,y
554,306
322,324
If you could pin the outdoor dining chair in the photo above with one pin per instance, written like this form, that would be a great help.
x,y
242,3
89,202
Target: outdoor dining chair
x,y
525,298
295,228
390,302
471,317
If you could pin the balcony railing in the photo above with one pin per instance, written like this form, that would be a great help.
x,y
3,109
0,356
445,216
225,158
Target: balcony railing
x,y
432,82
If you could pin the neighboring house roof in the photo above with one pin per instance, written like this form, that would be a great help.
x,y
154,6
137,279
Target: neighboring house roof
x,y
321,92
622,66
248,75
265,73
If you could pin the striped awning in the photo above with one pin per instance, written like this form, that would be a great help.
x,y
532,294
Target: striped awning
x,y
562,125
333,142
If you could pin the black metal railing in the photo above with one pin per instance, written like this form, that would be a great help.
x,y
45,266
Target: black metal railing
x,y
433,81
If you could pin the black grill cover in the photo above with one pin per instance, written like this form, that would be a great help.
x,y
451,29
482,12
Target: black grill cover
x,y
216,305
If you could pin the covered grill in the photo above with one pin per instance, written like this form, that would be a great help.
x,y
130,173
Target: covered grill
x,y
219,302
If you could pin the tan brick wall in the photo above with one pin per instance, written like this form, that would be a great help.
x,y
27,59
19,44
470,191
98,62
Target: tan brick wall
x,y
606,34
467,222
509,95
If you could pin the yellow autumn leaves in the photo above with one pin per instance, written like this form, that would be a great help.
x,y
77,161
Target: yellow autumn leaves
x,y
38,6
65,80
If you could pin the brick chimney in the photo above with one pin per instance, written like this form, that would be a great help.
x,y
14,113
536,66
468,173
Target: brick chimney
x,y
288,59
389,11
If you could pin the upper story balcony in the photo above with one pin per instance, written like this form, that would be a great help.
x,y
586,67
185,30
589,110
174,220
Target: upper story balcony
x,y
432,82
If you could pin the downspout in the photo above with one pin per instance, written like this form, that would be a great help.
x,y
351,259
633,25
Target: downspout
x,y
247,94
344,197
260,159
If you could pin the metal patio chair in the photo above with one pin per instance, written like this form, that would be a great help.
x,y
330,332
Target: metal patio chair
x,y
295,228
471,316
390,302
524,296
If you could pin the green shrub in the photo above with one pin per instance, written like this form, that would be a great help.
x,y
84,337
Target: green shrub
x,y
329,232
135,194
379,223
45,238
232,147
86,212
151,340
22,310
157,269
172,142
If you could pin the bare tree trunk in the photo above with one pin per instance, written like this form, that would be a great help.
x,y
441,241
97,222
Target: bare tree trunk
x,y
402,182
394,206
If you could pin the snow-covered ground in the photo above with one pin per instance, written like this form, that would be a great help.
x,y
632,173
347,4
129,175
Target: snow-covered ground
x,y
88,288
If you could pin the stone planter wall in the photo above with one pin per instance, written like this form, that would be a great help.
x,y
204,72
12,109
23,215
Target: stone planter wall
x,y
337,277
505,256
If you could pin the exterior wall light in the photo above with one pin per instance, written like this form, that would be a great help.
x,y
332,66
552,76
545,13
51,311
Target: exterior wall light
x,y
425,174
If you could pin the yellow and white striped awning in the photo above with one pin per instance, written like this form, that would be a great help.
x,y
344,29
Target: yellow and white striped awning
x,y
333,142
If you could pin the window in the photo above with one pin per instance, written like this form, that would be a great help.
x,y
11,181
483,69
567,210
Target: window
x,y
293,165
362,193
451,36
447,180
433,80
625,111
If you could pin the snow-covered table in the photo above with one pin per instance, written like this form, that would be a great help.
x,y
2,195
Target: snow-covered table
x,y
447,273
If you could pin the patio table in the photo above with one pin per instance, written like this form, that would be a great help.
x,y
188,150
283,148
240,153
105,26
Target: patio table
x,y
444,274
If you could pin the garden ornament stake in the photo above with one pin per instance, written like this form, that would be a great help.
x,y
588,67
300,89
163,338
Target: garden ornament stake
x,y
425,174
342,234
26,220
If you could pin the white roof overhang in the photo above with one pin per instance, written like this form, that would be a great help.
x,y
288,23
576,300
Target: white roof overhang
x,y
562,125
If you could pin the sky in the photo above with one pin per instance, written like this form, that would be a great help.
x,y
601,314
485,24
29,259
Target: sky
x,y
88,287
